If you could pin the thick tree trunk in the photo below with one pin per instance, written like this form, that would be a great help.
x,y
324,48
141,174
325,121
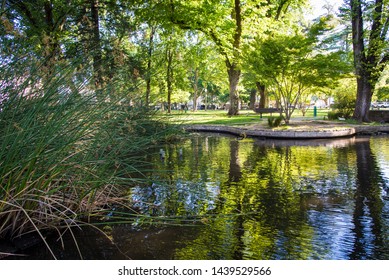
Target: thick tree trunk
x,y
363,102
232,66
367,60
253,99
233,78
262,95
50,42
359,61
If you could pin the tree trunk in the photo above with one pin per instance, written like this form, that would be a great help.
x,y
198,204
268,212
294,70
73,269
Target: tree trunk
x,y
232,66
359,60
195,99
50,43
149,57
366,61
233,78
253,99
363,102
169,79
96,47
262,94
195,89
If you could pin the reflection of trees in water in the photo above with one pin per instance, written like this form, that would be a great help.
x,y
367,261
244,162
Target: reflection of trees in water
x,y
235,175
258,212
279,229
370,230
261,200
266,201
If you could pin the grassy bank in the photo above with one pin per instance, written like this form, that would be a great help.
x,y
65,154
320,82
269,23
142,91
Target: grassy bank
x,y
246,117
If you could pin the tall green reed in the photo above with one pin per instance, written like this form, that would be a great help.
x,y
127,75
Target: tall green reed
x,y
66,155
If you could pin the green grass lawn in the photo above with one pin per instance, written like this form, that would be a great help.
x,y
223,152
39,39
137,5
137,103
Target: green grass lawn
x,y
245,117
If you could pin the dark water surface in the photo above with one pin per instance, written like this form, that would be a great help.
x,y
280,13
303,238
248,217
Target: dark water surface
x,y
218,197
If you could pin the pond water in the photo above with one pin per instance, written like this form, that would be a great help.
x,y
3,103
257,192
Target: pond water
x,y
218,197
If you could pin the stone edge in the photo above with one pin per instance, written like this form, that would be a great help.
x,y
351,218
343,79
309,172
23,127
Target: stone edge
x,y
291,134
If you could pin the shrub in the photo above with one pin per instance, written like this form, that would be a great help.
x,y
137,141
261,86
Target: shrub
x,y
335,115
274,121
344,105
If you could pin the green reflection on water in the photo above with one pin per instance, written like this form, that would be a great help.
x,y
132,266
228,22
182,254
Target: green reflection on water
x,y
218,197
271,199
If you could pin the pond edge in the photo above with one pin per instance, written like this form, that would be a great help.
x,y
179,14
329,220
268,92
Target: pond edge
x,y
332,132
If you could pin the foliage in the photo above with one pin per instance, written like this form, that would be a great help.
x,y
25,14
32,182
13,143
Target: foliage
x,y
291,65
382,87
335,115
274,121
226,24
77,79
344,95
383,93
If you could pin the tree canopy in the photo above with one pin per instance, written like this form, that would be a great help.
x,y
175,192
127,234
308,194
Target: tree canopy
x,y
290,64
166,53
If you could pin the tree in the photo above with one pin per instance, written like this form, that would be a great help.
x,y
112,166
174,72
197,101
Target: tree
x,y
96,45
370,25
293,64
168,70
251,81
226,23
204,67
41,23
344,98
62,33
150,49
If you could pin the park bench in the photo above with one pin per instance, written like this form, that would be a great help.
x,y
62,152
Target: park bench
x,y
267,111
380,116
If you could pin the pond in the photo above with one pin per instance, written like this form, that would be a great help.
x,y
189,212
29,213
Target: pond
x,y
219,197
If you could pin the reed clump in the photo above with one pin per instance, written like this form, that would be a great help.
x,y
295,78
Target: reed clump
x,y
66,153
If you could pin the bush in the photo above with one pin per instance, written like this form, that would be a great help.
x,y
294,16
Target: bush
x,y
274,121
335,115
344,106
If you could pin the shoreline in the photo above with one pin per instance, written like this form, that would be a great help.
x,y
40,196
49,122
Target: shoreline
x,y
298,130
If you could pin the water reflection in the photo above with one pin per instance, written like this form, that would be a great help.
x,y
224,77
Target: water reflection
x,y
367,218
281,199
223,198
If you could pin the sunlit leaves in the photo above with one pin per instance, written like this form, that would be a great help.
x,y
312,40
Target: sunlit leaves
x,y
291,63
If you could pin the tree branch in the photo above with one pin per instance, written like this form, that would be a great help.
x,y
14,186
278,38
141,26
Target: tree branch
x,y
357,34
238,21
280,8
199,26
23,8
